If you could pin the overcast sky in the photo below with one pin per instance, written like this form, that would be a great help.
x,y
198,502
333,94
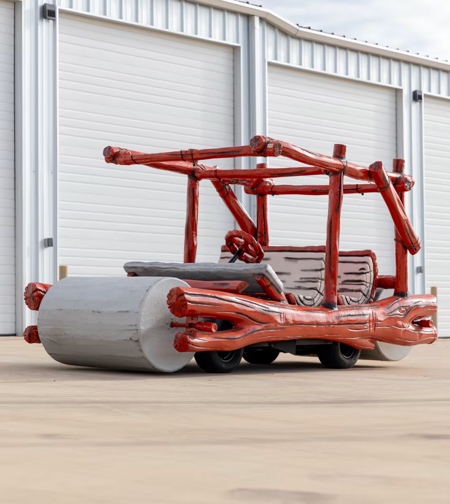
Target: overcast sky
x,y
414,25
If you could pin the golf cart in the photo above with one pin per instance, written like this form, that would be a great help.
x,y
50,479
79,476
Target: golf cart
x,y
258,300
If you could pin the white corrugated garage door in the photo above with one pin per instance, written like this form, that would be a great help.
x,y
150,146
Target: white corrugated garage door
x,y
315,112
148,91
7,220
437,206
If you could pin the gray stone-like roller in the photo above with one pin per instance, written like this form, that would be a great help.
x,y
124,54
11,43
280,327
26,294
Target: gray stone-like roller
x,y
116,323
386,352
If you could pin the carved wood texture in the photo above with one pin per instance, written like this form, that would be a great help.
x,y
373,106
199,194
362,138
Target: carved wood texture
x,y
393,320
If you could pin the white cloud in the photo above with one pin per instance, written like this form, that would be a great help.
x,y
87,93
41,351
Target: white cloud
x,y
412,25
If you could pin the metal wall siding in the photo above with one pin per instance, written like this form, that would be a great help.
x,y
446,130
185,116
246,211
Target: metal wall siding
x,y
176,16
437,205
7,198
146,91
313,55
436,82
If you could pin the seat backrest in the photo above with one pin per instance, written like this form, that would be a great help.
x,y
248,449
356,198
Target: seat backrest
x,y
302,271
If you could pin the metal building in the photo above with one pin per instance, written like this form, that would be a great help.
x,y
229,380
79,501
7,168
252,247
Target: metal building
x,y
77,75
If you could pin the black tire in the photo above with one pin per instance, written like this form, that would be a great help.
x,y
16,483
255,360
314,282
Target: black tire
x,y
265,355
338,356
219,362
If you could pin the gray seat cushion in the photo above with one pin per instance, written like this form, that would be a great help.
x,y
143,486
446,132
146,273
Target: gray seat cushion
x,y
208,271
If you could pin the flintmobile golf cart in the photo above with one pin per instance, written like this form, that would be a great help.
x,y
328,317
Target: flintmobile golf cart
x,y
258,300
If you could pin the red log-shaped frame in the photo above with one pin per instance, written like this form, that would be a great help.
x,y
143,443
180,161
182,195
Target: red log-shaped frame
x,y
34,294
396,320
256,181
395,207
262,212
267,188
333,232
191,226
401,252
244,220
185,162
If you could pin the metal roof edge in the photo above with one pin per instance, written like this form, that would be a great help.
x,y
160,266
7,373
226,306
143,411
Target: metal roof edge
x,y
325,38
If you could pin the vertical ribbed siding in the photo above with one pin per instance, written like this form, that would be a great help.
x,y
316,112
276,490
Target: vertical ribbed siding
x,y
334,60
355,64
7,209
175,15
121,85
437,205
315,112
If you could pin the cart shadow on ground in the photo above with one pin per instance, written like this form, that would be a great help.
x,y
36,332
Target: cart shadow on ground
x,y
52,371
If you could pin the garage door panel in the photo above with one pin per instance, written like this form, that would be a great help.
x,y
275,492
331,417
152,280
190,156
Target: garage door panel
x,y
7,196
337,107
368,139
124,86
116,184
134,129
315,112
7,61
117,55
437,206
87,95
165,48
107,74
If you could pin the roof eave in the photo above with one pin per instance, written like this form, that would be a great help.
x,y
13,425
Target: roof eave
x,y
325,38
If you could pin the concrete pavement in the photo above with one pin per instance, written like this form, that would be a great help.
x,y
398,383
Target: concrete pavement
x,y
291,432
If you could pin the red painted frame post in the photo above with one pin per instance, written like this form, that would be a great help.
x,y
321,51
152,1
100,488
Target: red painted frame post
x,y
333,232
262,218
401,252
243,219
395,207
191,226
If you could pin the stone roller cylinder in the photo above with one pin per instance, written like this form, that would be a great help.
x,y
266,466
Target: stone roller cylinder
x,y
386,352
116,323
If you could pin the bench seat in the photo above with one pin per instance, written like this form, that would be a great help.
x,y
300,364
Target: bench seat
x,y
296,270
302,271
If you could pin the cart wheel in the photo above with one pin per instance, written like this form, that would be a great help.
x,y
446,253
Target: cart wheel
x,y
338,356
265,355
219,362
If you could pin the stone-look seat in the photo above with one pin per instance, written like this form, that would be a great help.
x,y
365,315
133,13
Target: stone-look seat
x,y
302,271
209,271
